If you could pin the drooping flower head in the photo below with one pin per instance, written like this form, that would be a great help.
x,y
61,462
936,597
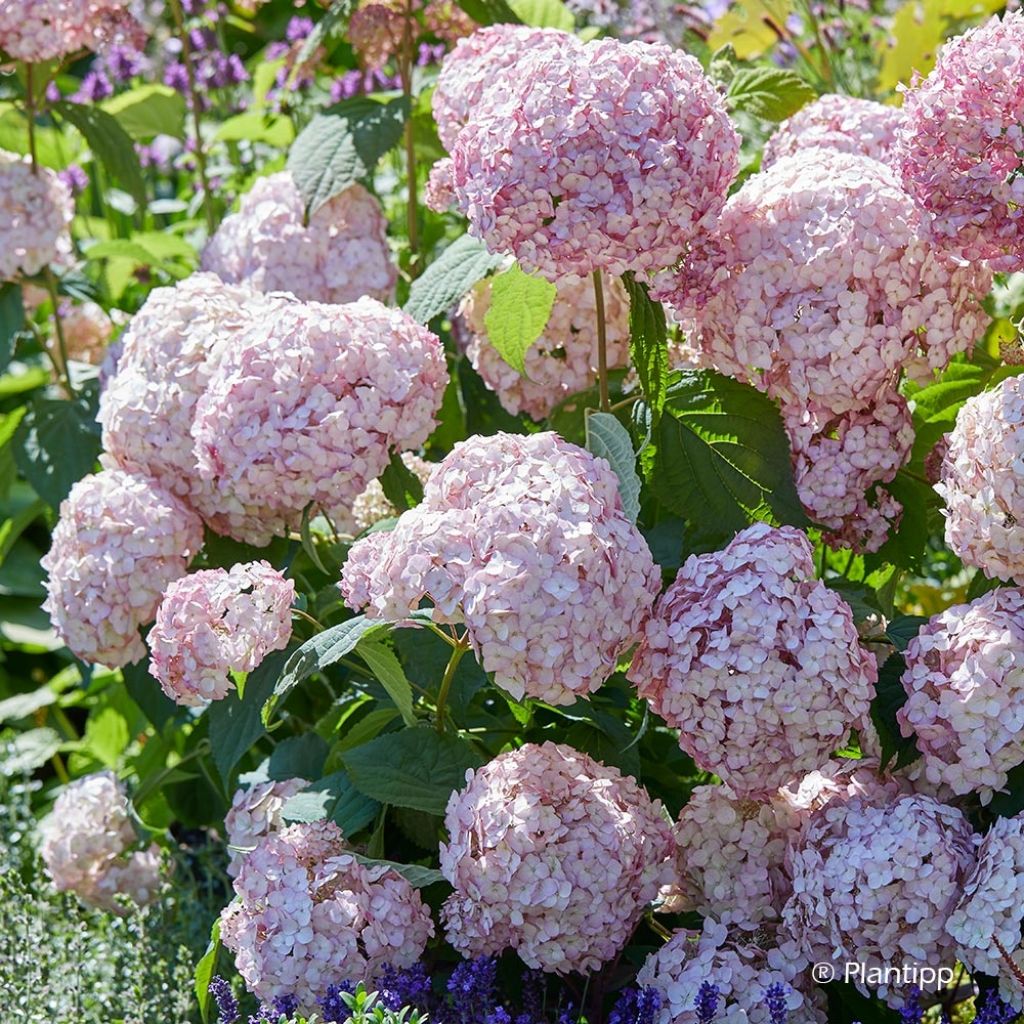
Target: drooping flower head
x,y
36,210
256,812
524,540
551,854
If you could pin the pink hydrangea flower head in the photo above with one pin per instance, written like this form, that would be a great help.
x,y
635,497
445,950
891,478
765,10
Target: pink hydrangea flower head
x,y
446,20
119,542
87,842
607,156
961,139
563,360
819,286
256,812
43,30
982,482
874,884
339,256
87,332
755,661
216,621
551,854
965,684
307,915
307,408
524,540
372,506
840,123
375,31
36,210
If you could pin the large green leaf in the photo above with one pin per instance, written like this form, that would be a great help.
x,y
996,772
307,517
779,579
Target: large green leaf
x,y
449,277
12,319
489,12
544,14
415,874
890,696
387,670
332,798
204,972
608,439
149,110
648,342
401,486
769,93
517,313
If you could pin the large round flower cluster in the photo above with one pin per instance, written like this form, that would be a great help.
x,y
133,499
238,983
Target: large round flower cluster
x,y
256,812
215,622
840,123
119,542
340,255
87,842
307,915
874,884
42,30
755,661
608,156
306,409
523,539
961,141
965,686
563,360
36,210
982,482
551,854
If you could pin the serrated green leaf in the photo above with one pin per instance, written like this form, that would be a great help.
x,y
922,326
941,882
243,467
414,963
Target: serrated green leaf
x,y
517,313
608,439
149,110
648,342
332,798
204,972
772,94
449,277
388,671
12,320
401,486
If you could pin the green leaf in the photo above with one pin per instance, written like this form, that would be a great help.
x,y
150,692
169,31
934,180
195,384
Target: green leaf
x,y
449,277
489,12
903,629
388,671
889,698
772,94
416,875
333,21
28,751
517,313
110,144
143,688
402,487
608,439
57,442
149,110
299,757
342,145
544,14
11,529
417,768
257,126
648,342
12,320
204,972
332,798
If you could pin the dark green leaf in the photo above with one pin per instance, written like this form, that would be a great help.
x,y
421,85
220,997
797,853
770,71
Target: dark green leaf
x,y
449,277
143,688
297,757
847,1006
489,12
608,439
903,629
889,698
1010,802
648,342
12,319
402,487
424,656
981,585
204,972
769,93
333,798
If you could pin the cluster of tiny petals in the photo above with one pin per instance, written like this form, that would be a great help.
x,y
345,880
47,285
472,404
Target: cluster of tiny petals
x,y
605,156
376,27
819,286
339,256
119,542
563,360
551,854
873,883
524,540
87,843
42,30
982,482
308,915
306,409
989,907
961,141
755,661
256,812
36,210
217,621
372,506
965,688
840,123
87,331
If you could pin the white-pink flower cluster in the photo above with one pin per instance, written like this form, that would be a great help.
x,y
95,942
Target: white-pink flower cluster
x,y
563,360
307,915
965,690
605,156
843,124
43,30
524,540
339,256
372,506
87,332
217,621
755,661
874,884
961,142
119,542
36,210
982,482
551,854
87,845
256,812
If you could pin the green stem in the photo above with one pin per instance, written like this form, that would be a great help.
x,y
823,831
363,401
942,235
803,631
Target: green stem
x,y
446,680
405,73
308,618
602,344
62,347
30,113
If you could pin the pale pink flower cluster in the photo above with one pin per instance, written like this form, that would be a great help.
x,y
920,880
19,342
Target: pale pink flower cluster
x,y
87,842
120,540
43,30
256,812
965,689
306,409
755,661
874,884
376,28
372,506
36,210
217,621
982,482
524,540
563,360
87,332
840,123
551,854
605,156
339,256
961,143
307,915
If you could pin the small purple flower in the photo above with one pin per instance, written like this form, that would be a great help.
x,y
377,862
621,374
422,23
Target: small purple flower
x,y
499,1016
911,1012
409,987
430,53
568,1015
298,29
176,76
775,1003
75,178
332,1006
227,1005
122,62
95,87
53,93
286,1005
706,1003
994,1011
202,40
636,1006
472,986
194,7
